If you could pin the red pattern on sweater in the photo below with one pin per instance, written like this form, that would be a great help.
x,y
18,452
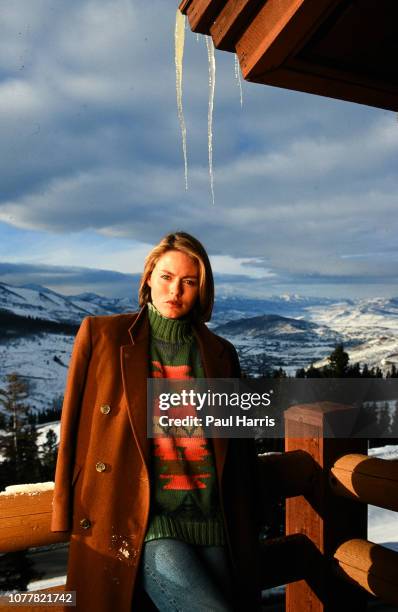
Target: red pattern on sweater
x,y
182,372
191,450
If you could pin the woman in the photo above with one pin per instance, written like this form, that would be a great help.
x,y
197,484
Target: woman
x,y
142,517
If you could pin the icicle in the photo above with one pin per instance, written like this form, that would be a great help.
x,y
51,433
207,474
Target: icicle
x,y
237,77
179,38
212,83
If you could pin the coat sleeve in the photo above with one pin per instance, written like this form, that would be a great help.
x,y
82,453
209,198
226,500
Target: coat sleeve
x,y
61,516
235,362
233,355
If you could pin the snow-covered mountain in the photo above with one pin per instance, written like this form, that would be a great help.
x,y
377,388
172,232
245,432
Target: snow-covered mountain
x,y
37,326
235,307
369,328
40,303
268,341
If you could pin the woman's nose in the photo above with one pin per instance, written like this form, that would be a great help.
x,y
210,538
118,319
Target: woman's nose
x,y
176,288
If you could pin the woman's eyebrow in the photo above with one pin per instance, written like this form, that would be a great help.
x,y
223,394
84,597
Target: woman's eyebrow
x,y
172,274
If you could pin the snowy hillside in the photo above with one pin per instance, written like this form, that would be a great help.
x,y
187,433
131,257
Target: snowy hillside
x,y
42,360
368,329
294,306
37,327
270,341
369,326
40,303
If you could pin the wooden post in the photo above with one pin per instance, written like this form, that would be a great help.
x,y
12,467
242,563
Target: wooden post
x,y
326,520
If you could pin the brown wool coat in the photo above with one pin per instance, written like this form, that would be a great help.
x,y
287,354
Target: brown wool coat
x,y
102,488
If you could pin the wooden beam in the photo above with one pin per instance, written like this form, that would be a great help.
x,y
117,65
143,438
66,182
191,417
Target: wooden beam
x,y
25,521
373,567
184,5
232,21
279,29
287,474
326,520
284,560
336,48
366,479
332,87
201,14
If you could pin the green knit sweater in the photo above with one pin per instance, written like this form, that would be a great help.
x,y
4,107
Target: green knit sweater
x,y
184,496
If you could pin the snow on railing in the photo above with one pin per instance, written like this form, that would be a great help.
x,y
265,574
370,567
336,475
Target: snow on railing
x,y
28,489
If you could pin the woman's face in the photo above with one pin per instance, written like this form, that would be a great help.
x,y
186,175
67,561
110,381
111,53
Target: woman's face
x,y
174,284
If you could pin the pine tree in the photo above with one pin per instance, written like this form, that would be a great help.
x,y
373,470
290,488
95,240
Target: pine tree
x,y
21,464
354,371
19,442
53,413
313,372
279,373
49,450
338,362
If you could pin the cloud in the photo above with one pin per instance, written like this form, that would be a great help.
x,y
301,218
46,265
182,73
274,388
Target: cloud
x,y
71,280
90,143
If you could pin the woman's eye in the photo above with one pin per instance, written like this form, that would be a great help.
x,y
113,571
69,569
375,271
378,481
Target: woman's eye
x,y
190,282
165,276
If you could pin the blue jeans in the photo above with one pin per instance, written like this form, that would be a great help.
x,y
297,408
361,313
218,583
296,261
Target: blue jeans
x,y
180,577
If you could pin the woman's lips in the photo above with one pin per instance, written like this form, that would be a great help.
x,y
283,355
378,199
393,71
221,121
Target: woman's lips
x,y
172,303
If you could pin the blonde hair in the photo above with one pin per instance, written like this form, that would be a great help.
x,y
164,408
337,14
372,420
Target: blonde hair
x,y
181,241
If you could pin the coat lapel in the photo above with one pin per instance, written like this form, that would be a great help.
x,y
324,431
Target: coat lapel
x,y
135,371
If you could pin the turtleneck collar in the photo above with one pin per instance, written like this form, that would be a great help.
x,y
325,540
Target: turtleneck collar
x,y
169,330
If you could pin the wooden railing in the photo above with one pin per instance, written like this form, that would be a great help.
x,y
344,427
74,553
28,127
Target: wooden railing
x,y
324,558
24,523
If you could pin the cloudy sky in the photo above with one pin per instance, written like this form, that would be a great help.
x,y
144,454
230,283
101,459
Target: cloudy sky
x,y
92,173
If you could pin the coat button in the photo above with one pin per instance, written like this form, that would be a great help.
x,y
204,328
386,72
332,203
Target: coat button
x,y
100,466
105,408
85,523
